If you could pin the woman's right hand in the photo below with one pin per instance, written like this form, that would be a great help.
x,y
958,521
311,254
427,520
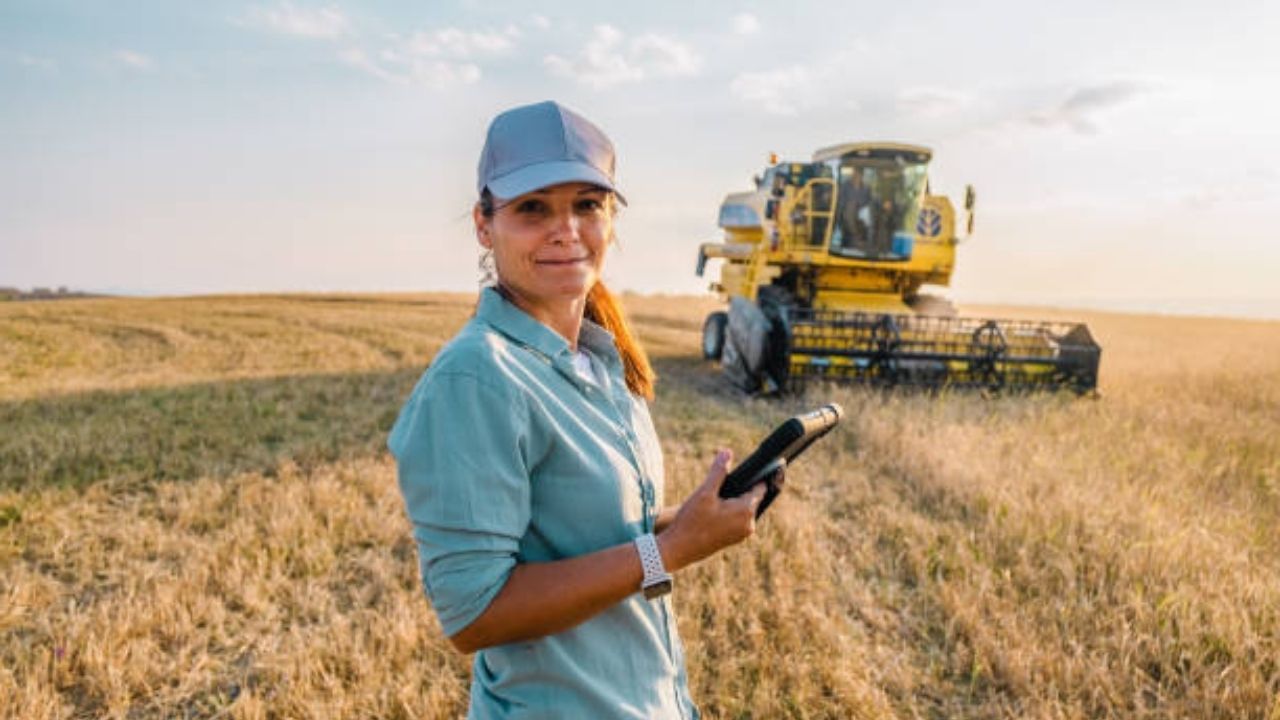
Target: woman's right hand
x,y
706,522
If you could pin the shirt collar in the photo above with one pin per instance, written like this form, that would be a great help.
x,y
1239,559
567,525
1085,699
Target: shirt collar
x,y
515,323
598,340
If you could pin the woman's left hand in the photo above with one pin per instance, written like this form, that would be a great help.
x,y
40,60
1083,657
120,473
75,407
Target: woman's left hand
x,y
707,523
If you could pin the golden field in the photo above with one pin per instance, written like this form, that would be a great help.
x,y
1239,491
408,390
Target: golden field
x,y
198,519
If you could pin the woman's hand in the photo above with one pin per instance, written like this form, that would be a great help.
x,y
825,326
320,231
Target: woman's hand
x,y
706,522
549,597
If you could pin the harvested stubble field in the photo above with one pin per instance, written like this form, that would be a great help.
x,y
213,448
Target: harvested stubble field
x,y
198,519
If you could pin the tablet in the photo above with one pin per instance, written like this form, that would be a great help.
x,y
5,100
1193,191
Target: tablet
x,y
782,447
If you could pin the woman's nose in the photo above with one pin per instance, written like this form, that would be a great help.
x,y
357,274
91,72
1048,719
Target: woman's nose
x,y
564,227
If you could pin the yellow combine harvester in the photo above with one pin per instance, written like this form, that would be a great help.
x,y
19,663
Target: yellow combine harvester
x,y
823,266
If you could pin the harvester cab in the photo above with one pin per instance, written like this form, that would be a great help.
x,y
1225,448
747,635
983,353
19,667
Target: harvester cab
x,y
823,266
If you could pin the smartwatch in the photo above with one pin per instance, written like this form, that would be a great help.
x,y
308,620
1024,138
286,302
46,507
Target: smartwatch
x,y
657,581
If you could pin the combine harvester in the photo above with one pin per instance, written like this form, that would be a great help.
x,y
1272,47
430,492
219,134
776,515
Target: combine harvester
x,y
823,266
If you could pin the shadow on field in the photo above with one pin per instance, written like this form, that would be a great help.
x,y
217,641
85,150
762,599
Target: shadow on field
x,y
698,411
224,428
693,375
213,429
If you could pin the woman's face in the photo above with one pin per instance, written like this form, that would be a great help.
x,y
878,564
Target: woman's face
x,y
549,245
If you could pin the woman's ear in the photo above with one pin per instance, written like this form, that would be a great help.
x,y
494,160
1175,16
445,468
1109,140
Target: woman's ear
x,y
482,227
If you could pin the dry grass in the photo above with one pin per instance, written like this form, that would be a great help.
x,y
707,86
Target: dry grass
x,y
197,519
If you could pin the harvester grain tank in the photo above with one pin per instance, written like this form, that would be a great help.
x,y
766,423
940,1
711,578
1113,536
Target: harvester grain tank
x,y
823,267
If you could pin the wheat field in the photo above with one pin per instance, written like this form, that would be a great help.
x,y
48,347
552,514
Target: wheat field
x,y
198,519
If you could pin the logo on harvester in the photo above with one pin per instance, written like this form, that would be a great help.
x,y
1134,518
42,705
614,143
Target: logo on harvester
x,y
930,223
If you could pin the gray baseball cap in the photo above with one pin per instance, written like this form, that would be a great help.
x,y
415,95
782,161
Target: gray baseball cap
x,y
536,146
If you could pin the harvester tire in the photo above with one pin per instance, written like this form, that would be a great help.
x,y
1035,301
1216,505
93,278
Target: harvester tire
x,y
746,345
713,331
748,331
734,369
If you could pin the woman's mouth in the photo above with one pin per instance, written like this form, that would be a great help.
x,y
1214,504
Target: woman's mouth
x,y
564,261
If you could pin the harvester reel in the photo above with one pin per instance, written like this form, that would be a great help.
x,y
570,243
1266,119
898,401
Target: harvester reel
x,y
990,345
887,339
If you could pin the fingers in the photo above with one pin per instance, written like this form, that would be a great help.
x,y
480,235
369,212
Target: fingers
x,y
719,469
747,502
707,523
755,496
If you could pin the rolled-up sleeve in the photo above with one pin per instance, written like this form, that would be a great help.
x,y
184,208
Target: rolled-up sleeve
x,y
461,451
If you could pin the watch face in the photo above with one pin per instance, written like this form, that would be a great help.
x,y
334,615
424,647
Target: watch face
x,y
657,589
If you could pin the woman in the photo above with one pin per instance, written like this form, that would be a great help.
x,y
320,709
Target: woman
x,y
529,464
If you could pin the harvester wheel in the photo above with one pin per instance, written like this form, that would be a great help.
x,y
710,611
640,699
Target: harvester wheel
x,y
713,335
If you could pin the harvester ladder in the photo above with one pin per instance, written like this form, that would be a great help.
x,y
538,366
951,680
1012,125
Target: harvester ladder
x,y
806,234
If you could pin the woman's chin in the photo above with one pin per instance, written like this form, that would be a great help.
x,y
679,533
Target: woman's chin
x,y
572,284
575,290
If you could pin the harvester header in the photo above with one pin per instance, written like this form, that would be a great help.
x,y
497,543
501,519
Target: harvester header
x,y
823,267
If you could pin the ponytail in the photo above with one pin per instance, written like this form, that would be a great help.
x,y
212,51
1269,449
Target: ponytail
x,y
604,310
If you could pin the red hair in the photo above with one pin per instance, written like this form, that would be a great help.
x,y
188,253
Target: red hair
x,y
604,310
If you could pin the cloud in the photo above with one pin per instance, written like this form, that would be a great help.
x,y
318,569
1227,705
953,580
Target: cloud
x,y
441,75
434,59
133,60
608,59
542,22
401,69
825,82
784,91
745,24
1079,112
600,64
462,44
289,19
664,56
356,58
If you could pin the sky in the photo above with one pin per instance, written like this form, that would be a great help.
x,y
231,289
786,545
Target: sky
x,y
1125,155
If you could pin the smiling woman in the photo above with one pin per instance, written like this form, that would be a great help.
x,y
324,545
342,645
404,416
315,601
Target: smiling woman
x,y
529,463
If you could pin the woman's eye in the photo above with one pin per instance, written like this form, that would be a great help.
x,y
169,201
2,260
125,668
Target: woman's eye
x,y
529,206
589,205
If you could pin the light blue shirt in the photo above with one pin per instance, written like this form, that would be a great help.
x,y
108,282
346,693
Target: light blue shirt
x,y
507,455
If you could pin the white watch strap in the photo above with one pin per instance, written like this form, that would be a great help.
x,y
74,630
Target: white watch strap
x,y
651,560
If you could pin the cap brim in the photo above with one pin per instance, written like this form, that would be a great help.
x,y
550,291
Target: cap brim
x,y
543,175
